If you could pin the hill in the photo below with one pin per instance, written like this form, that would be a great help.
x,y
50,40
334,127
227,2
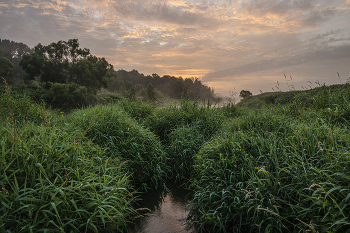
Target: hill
x,y
306,98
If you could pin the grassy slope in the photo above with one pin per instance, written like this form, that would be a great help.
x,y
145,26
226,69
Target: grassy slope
x,y
281,98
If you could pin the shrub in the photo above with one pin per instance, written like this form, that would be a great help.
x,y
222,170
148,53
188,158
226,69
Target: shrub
x,y
151,92
65,96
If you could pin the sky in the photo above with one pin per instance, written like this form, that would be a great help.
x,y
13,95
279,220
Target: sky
x,y
231,45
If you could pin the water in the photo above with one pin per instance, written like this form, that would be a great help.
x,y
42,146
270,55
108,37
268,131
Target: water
x,y
168,211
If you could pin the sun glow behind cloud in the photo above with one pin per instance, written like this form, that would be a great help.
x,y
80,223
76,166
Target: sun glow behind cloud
x,y
224,42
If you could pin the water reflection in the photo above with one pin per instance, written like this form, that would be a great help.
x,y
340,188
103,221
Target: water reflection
x,y
167,213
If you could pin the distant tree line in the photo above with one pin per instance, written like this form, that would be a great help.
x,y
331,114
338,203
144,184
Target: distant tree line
x,y
64,75
174,87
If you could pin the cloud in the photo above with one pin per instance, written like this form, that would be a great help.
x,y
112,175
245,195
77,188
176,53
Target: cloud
x,y
293,15
317,17
226,39
327,53
156,12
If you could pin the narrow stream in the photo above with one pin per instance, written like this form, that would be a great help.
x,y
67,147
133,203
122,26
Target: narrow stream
x,y
168,211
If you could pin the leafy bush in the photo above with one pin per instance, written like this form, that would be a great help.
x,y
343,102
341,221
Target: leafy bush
x,y
131,93
151,92
64,96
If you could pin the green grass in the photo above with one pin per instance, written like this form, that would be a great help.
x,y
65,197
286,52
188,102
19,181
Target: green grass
x,y
281,166
120,136
55,183
309,98
284,169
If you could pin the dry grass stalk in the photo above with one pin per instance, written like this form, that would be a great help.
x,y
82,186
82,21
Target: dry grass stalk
x,y
319,187
48,119
90,126
7,192
263,170
269,211
310,226
14,129
249,194
92,139
7,86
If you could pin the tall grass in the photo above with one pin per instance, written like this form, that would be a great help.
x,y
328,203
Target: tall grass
x,y
136,109
122,137
53,181
18,107
282,168
273,172
183,129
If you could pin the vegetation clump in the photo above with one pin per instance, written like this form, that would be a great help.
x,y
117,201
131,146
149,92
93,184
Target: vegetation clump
x,y
55,180
280,169
122,137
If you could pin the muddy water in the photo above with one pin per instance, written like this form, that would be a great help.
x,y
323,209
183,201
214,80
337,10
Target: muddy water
x,y
168,211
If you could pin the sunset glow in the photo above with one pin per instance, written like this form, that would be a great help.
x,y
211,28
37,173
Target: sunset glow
x,y
228,44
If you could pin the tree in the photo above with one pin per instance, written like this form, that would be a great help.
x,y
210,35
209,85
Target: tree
x,y
151,92
64,62
244,94
6,70
14,51
11,49
131,93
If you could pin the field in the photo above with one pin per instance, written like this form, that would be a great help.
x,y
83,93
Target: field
x,y
278,162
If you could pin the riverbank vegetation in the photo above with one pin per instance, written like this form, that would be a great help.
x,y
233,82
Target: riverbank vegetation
x,y
74,160
280,168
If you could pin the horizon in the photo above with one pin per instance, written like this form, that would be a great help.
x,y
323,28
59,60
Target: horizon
x,y
229,45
